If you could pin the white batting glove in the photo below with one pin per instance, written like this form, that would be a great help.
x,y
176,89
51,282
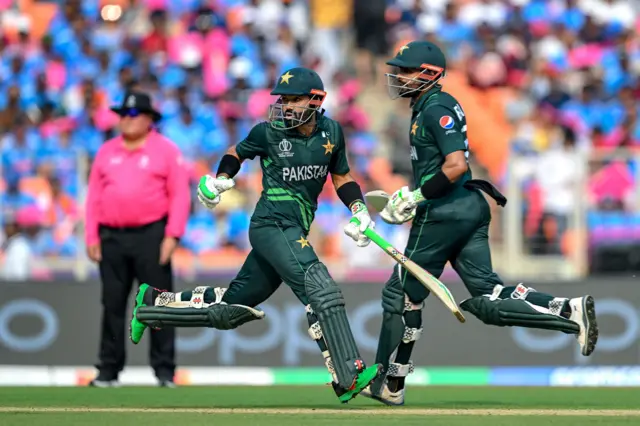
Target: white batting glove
x,y
401,206
210,190
356,232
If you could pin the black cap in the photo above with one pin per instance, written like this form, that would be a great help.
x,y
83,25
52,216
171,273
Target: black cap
x,y
140,101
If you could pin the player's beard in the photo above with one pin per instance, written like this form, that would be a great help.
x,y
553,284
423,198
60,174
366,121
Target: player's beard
x,y
401,87
279,118
293,118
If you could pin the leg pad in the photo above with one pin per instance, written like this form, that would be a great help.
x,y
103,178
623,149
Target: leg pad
x,y
516,312
220,316
328,305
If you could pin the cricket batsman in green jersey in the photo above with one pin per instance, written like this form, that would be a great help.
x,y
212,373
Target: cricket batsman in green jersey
x,y
451,224
298,148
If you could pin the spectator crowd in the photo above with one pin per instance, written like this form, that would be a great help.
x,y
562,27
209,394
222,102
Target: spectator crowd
x,y
567,71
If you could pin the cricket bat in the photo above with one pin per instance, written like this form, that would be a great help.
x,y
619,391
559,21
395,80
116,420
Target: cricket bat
x,y
426,279
377,199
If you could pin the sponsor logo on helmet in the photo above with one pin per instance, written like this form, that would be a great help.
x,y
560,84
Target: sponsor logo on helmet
x,y
446,122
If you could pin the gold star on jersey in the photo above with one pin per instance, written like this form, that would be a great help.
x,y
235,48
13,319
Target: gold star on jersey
x,y
414,128
303,242
284,78
328,148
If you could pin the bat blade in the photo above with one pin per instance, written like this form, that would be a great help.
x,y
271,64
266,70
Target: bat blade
x,y
377,199
436,287
432,283
424,277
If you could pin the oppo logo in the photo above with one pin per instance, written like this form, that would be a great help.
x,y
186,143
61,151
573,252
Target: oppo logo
x,y
17,310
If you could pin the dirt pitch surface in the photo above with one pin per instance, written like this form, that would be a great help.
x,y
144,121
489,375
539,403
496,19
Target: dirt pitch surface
x,y
350,411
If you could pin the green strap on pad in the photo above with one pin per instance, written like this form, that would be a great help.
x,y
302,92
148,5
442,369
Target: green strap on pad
x,y
219,315
327,302
392,329
516,313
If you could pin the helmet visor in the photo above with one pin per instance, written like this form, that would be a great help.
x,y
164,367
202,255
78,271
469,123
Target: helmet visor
x,y
401,82
289,113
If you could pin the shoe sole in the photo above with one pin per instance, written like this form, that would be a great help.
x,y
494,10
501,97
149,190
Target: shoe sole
x,y
133,315
380,399
385,402
591,325
373,379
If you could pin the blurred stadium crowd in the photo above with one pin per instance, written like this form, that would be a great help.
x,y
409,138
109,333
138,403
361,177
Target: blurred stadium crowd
x,y
547,80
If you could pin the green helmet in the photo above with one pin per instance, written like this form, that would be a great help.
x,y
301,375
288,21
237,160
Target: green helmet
x,y
417,55
296,82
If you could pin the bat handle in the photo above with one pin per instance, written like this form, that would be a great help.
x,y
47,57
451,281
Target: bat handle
x,y
372,234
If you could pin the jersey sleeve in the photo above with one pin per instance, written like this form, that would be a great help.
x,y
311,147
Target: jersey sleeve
x,y
255,144
446,128
339,163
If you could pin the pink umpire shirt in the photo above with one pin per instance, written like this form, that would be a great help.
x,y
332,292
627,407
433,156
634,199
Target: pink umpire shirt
x,y
130,188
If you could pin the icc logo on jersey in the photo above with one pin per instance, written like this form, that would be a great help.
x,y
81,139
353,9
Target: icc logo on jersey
x,y
285,149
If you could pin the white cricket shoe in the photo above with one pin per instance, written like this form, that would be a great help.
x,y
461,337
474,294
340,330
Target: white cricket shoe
x,y
583,313
385,396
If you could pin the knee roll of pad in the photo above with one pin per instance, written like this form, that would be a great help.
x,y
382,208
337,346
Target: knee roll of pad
x,y
393,299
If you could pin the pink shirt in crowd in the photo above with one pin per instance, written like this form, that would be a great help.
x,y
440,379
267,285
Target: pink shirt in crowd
x,y
130,188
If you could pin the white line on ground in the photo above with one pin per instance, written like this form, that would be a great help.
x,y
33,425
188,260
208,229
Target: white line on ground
x,y
324,411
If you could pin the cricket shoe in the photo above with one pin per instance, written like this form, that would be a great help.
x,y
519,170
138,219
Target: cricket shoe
x,y
583,313
105,381
95,383
385,395
146,296
362,381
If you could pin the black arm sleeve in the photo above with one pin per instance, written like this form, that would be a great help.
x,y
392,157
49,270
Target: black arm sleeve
x,y
229,165
350,193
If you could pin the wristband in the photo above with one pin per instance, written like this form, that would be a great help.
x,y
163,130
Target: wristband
x,y
435,187
350,193
229,165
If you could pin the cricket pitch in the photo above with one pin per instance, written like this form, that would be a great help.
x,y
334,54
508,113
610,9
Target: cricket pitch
x,y
317,406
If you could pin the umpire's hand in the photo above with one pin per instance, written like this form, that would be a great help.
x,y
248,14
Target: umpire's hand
x,y
94,252
167,248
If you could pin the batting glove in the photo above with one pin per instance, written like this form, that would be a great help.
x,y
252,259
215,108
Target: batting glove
x,y
356,232
401,206
210,190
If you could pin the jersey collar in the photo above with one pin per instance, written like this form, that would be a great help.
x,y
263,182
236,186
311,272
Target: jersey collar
x,y
417,105
319,126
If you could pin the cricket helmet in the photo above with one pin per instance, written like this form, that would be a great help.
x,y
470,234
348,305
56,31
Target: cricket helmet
x,y
417,55
296,82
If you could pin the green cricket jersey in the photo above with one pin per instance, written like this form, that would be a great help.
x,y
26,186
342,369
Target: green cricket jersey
x,y
438,128
294,169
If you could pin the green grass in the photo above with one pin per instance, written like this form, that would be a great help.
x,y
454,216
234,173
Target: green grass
x,y
360,411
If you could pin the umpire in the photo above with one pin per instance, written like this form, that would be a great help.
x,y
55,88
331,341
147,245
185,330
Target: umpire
x,y
137,209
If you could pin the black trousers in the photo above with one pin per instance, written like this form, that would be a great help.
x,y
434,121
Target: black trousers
x,y
128,254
